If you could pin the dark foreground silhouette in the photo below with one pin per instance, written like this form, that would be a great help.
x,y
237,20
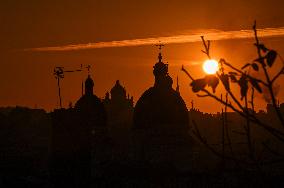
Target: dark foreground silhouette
x,y
110,143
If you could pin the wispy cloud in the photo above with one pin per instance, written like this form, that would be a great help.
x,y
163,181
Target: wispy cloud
x,y
192,36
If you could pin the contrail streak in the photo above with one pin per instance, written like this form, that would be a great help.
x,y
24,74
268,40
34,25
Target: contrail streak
x,y
174,39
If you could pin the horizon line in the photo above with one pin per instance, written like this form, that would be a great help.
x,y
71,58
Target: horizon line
x,y
190,37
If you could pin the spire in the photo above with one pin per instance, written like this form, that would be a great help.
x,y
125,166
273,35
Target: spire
x,y
88,68
90,82
177,88
160,68
162,78
107,96
89,85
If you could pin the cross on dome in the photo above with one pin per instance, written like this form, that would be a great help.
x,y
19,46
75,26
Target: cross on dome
x,y
160,57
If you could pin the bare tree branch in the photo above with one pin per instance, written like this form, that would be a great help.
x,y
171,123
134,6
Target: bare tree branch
x,y
277,75
270,83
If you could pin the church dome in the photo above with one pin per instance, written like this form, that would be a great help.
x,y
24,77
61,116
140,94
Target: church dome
x,y
157,108
161,106
118,91
90,106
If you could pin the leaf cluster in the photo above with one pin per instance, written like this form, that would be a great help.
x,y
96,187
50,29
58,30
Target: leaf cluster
x,y
268,59
212,81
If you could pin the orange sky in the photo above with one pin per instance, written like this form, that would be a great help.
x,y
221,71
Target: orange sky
x,y
26,76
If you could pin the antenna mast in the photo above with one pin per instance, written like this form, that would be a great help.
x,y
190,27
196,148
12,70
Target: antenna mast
x,y
58,72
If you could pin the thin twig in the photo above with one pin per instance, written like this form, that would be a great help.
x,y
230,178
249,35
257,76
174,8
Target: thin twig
x,y
227,127
281,58
207,47
232,95
205,143
277,75
252,100
187,73
272,151
248,130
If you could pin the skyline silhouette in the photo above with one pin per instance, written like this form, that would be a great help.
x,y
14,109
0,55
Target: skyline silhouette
x,y
107,93
79,146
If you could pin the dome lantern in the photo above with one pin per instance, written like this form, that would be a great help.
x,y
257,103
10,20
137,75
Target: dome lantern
x,y
89,85
161,105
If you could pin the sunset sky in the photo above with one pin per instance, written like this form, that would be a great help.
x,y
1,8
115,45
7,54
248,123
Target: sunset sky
x,y
36,36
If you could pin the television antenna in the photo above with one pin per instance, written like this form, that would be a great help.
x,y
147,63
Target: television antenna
x,y
59,72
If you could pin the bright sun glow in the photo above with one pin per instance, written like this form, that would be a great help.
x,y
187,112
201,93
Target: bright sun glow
x,y
210,66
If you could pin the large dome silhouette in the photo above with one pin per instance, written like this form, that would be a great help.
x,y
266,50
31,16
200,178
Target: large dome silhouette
x,y
161,106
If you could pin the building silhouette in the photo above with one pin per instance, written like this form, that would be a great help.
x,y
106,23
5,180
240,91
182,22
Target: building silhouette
x,y
161,122
79,139
161,105
119,107
24,146
83,154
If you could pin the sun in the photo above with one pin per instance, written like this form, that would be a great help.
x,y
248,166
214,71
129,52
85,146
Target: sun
x,y
210,66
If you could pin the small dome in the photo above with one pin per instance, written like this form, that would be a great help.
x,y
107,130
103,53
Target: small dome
x,y
118,91
92,109
90,106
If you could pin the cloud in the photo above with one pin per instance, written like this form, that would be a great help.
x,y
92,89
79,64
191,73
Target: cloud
x,y
192,36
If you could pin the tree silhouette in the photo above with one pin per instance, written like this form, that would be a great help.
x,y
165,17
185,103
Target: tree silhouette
x,y
228,75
